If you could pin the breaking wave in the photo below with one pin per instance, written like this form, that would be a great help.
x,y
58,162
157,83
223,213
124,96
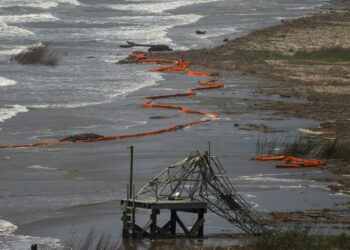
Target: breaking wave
x,y
9,111
29,18
156,7
41,4
6,82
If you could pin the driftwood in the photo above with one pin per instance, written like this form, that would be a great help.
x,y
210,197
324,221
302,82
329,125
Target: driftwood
x,y
155,47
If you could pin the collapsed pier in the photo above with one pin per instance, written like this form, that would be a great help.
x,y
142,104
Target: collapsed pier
x,y
193,185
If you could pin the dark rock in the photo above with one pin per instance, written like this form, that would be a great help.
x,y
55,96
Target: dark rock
x,y
159,48
84,136
36,55
201,32
152,47
226,40
285,96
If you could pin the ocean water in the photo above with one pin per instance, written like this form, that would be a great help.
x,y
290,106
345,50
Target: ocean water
x,y
88,92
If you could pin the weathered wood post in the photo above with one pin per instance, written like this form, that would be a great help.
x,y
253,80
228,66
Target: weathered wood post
x,y
173,221
153,227
201,217
131,172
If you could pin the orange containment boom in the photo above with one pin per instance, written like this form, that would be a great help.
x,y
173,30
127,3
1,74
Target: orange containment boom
x,y
177,65
198,73
291,161
111,137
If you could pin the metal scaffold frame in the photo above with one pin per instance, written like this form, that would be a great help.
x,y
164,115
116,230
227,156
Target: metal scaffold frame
x,y
201,177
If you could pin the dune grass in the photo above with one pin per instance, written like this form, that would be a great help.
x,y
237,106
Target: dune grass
x,y
302,147
300,240
335,54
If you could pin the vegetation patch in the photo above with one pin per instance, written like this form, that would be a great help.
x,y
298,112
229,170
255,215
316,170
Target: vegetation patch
x,y
324,54
300,240
303,147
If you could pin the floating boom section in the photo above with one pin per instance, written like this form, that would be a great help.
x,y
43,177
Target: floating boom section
x,y
202,177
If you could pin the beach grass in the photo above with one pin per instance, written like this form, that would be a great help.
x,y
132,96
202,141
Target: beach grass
x,y
291,239
337,149
93,241
303,147
300,240
336,54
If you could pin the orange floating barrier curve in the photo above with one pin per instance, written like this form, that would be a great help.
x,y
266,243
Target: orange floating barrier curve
x,y
291,161
177,65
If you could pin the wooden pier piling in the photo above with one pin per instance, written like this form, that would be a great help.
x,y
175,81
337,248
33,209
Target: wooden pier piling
x,y
173,228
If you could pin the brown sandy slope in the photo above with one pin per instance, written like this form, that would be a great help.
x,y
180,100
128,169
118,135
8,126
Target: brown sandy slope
x,y
272,53
307,58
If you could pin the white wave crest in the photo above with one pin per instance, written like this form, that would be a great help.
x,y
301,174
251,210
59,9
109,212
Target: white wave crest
x,y
6,82
147,28
7,227
156,7
44,17
110,93
41,4
261,179
13,31
38,167
65,105
8,112
14,50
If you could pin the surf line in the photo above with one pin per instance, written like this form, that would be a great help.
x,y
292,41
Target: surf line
x,y
175,66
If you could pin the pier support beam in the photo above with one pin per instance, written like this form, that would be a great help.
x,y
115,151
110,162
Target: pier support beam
x,y
152,230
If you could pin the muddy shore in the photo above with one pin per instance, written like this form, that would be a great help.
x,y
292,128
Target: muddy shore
x,y
306,58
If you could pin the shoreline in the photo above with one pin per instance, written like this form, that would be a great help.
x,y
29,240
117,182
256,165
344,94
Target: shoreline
x,y
325,92
297,59
86,169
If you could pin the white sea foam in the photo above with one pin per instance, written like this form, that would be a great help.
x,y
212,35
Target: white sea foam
x,y
13,31
43,17
65,105
41,4
249,195
39,167
7,112
262,179
7,227
152,7
146,28
151,80
309,131
109,94
11,50
14,50
6,82
305,7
